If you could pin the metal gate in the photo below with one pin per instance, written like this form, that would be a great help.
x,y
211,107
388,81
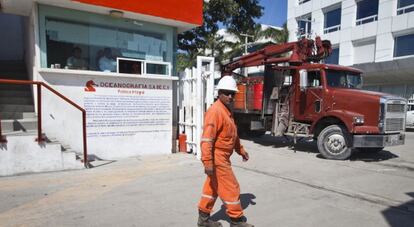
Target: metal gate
x,y
196,95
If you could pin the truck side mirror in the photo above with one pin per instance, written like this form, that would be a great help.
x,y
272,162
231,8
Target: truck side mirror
x,y
303,81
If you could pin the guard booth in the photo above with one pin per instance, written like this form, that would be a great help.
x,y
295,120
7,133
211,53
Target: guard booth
x,y
114,59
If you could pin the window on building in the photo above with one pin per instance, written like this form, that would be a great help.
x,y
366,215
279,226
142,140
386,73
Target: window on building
x,y
332,20
403,45
85,41
302,1
304,26
334,57
405,6
367,11
364,51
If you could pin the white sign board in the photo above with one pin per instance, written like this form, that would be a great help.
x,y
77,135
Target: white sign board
x,y
126,118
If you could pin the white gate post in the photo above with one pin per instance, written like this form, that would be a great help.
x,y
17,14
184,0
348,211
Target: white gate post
x,y
196,95
205,82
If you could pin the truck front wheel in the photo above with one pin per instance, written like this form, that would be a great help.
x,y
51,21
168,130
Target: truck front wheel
x,y
333,143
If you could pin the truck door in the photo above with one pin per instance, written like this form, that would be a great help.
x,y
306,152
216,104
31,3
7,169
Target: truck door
x,y
311,98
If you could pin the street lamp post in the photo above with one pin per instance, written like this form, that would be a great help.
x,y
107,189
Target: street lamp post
x,y
245,41
245,49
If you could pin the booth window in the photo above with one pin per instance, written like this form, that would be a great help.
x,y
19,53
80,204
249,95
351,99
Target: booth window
x,y
83,44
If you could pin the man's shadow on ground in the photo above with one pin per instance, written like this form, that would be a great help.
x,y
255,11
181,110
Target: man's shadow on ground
x,y
400,215
245,199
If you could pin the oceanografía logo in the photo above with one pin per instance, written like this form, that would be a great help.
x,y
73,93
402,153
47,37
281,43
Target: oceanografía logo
x,y
91,85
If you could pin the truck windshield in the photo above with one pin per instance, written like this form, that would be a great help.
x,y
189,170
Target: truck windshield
x,y
343,79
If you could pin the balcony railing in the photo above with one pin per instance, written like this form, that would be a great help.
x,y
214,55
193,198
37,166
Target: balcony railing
x,y
332,29
367,19
405,9
301,35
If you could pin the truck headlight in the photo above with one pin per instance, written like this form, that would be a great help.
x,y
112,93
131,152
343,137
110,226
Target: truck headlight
x,y
359,120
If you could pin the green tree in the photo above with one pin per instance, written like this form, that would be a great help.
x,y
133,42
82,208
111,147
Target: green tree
x,y
279,36
256,33
237,15
243,20
183,61
194,42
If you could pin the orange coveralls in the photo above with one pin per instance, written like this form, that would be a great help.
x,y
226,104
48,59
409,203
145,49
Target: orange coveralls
x,y
217,144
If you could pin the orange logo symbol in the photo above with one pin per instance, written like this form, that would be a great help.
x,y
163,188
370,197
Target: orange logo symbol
x,y
89,86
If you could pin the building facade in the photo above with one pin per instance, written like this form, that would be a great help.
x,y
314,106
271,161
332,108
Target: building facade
x,y
373,35
115,59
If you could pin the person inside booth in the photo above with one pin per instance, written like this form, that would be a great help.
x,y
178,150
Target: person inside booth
x,y
107,62
75,61
130,66
136,68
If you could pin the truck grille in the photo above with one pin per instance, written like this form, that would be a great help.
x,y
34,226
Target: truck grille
x,y
393,114
394,124
395,108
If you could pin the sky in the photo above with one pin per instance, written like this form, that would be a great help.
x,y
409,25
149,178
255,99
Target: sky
x,y
275,12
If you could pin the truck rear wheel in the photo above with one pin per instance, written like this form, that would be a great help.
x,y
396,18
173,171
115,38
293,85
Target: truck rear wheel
x,y
333,143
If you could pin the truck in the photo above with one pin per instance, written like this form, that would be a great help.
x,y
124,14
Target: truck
x,y
299,96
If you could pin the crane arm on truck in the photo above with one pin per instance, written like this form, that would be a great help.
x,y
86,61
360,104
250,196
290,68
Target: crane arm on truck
x,y
302,51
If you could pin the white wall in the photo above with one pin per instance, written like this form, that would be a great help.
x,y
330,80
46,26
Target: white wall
x,y
29,43
364,51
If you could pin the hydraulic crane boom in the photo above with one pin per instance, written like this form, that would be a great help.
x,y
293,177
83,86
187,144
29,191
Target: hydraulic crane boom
x,y
304,50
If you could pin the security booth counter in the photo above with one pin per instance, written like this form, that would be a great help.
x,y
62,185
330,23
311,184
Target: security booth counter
x,y
119,70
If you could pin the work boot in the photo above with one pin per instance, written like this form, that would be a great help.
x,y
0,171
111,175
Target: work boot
x,y
239,222
204,220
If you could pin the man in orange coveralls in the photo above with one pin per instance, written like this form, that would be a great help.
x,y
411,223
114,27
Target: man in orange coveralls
x,y
217,144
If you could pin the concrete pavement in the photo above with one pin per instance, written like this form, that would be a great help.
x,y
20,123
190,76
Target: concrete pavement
x,y
280,187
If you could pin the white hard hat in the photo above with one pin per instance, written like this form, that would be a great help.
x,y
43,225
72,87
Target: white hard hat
x,y
227,83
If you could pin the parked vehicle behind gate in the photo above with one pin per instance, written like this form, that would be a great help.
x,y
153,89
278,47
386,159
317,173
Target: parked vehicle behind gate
x,y
299,96
410,114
